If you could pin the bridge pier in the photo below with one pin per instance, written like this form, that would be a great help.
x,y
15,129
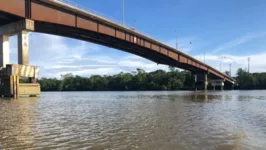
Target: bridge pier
x,y
195,82
217,83
201,82
11,74
23,47
205,82
4,50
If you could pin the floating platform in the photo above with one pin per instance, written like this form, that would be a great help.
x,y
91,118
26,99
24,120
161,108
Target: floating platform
x,y
19,81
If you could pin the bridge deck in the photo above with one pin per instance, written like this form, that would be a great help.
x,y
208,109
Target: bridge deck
x,y
55,17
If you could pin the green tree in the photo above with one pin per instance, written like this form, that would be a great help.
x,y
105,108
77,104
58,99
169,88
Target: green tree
x,y
141,80
245,79
227,73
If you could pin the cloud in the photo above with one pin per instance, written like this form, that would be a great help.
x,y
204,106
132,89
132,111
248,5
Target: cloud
x,y
115,65
257,62
47,49
238,41
58,55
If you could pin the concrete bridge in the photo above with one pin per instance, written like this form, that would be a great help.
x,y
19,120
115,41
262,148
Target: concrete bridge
x,y
58,18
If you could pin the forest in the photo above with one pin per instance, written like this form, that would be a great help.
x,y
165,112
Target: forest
x,y
141,80
250,81
136,80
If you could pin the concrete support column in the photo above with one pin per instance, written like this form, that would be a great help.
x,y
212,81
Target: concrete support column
x,y
195,81
222,87
4,50
213,87
205,82
23,47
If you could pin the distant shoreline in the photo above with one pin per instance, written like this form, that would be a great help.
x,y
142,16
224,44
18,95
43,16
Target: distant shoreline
x,y
139,80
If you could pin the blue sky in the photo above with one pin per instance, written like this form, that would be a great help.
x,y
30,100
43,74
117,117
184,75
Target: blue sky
x,y
232,30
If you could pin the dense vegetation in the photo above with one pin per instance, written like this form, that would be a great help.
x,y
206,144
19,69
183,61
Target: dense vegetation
x,y
251,80
140,80
137,80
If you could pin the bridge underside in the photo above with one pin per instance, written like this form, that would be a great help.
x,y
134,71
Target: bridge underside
x,y
6,18
103,39
58,18
54,17
112,42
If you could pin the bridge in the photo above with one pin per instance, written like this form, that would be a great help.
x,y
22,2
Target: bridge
x,y
59,18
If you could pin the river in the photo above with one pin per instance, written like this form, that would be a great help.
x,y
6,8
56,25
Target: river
x,y
221,120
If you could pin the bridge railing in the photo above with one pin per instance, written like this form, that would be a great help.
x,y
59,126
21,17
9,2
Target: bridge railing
x,y
83,8
111,19
101,15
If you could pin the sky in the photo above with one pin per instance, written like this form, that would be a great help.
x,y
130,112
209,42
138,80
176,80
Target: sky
x,y
227,31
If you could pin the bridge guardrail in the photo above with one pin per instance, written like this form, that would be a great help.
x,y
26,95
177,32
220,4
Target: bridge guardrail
x,y
95,13
111,19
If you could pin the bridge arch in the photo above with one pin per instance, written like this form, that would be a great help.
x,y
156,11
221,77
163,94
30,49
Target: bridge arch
x,y
54,17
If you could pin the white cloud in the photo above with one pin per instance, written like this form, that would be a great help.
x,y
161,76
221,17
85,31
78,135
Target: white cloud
x,y
238,41
86,72
115,65
257,62
58,55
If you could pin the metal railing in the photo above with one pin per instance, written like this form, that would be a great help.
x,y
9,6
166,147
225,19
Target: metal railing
x,y
85,9
113,20
101,15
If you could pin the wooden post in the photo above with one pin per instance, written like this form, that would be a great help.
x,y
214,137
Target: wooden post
x,y
15,87
11,86
17,84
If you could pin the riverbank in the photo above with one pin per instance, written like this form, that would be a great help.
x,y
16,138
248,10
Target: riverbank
x,y
140,80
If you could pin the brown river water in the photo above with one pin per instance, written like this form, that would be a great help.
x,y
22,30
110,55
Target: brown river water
x,y
227,120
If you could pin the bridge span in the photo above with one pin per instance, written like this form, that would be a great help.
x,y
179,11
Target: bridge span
x,y
58,18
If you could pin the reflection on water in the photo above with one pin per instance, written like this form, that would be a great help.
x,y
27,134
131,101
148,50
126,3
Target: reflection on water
x,y
228,120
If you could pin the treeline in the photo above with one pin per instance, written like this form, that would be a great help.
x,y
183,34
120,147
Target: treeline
x,y
136,80
141,80
247,80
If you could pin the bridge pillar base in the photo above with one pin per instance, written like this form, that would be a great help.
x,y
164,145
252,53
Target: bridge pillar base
x,y
217,83
10,74
10,77
201,82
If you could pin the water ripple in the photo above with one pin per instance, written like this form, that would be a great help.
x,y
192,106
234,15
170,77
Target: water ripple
x,y
135,120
